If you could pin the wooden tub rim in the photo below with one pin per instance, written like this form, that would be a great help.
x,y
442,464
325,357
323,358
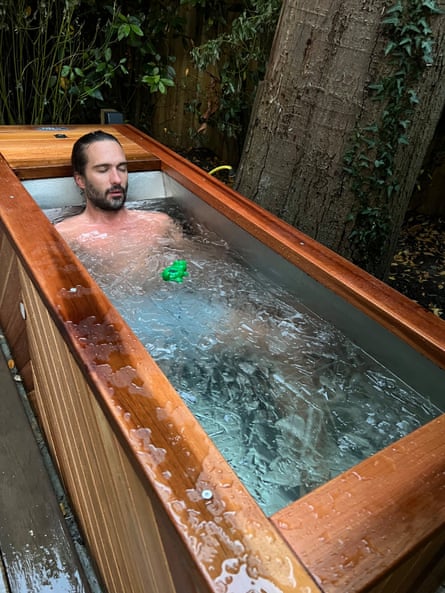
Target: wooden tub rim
x,y
419,329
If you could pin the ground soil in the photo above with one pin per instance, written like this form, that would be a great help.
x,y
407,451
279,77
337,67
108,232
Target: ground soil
x,y
418,268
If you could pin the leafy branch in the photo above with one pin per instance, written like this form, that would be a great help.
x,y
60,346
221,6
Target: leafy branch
x,y
58,58
235,61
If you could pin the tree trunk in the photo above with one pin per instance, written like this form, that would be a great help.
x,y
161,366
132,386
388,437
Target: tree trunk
x,y
428,197
325,54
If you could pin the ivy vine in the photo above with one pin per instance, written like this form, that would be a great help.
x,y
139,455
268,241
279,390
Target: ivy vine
x,y
235,62
370,161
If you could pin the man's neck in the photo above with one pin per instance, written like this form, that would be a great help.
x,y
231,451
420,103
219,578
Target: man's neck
x,y
105,217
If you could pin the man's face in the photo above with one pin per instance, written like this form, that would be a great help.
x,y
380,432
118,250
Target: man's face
x,y
105,180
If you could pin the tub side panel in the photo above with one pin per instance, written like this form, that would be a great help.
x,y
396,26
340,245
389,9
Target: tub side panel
x,y
423,572
11,320
115,512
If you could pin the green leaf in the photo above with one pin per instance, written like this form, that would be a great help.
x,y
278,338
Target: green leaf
x,y
393,20
413,98
137,30
396,8
377,87
425,26
369,142
432,7
388,49
96,94
123,31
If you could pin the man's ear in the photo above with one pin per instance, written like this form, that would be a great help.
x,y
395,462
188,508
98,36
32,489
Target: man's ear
x,y
80,181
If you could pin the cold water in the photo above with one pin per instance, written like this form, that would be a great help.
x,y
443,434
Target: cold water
x,y
288,399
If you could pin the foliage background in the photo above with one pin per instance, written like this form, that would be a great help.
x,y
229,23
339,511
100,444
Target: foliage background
x,y
62,61
186,72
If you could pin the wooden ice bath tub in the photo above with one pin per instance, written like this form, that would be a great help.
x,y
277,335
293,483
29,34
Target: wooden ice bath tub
x,y
137,465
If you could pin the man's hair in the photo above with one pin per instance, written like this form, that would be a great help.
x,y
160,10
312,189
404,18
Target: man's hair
x,y
78,156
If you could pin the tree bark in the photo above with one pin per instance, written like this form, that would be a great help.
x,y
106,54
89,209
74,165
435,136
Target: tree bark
x,y
325,54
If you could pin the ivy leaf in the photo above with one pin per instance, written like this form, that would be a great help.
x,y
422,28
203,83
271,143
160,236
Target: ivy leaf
x,y
369,142
388,49
413,98
432,6
377,87
426,29
392,20
396,8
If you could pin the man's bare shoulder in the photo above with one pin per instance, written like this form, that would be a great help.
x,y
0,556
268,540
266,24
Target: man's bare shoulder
x,y
150,215
161,221
140,224
72,223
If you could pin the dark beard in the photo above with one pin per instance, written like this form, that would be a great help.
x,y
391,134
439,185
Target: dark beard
x,y
102,201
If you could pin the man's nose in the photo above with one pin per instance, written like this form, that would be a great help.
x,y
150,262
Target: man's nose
x,y
115,176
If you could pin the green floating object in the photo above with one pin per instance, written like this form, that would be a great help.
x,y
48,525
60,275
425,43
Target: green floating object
x,y
175,272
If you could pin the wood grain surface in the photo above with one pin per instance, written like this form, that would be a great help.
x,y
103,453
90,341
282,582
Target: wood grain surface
x,y
45,151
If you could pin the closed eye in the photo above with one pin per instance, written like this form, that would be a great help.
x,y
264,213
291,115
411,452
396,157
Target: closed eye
x,y
122,167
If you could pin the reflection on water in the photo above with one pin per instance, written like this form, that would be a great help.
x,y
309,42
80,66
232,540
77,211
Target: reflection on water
x,y
289,400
